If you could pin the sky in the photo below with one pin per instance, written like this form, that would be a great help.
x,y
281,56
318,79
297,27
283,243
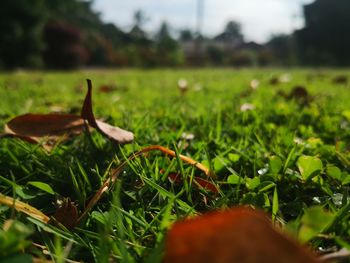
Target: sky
x,y
260,19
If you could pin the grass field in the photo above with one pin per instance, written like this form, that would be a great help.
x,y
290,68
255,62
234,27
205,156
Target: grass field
x,y
286,153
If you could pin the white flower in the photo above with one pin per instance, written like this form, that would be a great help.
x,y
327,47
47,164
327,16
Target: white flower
x,y
247,107
254,84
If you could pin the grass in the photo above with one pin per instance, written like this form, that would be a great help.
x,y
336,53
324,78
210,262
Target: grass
x,y
289,159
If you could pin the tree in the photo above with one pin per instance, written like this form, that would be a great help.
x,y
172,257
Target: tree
x,y
137,32
77,13
80,33
21,24
216,55
281,50
168,50
186,35
232,34
64,46
325,38
107,46
140,18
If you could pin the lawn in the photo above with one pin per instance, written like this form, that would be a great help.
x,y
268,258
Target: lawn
x,y
282,149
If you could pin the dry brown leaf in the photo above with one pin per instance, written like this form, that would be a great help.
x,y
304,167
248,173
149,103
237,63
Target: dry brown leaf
x,y
107,88
40,125
67,214
52,127
240,235
274,81
198,182
114,133
24,208
299,93
48,128
341,79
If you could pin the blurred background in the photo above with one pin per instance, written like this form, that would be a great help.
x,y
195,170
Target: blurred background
x,y
69,34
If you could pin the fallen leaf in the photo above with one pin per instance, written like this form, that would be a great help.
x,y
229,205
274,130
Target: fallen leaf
x,y
299,93
199,182
173,177
114,133
67,214
107,88
341,79
274,81
52,127
240,235
40,125
23,208
46,128
206,184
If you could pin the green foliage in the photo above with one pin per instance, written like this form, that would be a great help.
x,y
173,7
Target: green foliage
x,y
275,164
42,186
27,39
234,179
288,158
314,221
22,258
167,49
309,166
21,24
13,238
64,46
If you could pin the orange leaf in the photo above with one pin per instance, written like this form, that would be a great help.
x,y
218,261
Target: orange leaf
x,y
173,177
206,184
176,178
114,133
107,88
239,235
